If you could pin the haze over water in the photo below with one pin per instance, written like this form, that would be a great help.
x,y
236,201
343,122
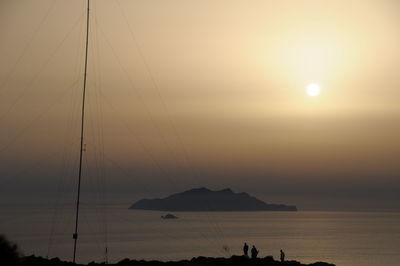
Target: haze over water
x,y
342,238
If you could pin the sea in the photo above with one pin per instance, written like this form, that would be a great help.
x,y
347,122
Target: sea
x,y
114,232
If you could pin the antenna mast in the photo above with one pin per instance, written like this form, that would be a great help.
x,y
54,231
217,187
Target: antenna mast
x,y
75,235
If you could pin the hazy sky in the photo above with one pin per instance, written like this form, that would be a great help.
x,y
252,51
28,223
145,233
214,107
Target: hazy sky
x,y
204,93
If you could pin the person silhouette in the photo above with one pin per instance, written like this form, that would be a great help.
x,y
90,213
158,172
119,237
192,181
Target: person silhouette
x,y
254,252
246,249
282,256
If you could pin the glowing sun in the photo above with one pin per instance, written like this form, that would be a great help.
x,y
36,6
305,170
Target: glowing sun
x,y
313,89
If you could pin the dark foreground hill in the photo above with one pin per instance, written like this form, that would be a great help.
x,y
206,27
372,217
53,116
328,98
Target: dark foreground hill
x,y
199,261
203,199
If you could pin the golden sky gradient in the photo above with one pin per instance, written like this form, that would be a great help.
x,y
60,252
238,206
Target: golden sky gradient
x,y
216,85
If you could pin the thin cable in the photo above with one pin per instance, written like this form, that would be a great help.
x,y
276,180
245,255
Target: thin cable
x,y
138,95
69,161
216,228
36,75
26,47
195,173
100,127
75,235
33,121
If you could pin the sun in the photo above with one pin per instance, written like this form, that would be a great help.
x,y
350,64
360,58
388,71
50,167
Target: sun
x,y
313,89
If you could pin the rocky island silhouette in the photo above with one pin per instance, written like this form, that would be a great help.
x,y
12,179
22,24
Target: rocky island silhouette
x,y
204,199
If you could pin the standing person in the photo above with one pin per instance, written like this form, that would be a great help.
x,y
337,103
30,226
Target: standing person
x,y
254,252
282,256
246,249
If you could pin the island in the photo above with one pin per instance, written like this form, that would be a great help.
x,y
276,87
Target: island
x,y
204,199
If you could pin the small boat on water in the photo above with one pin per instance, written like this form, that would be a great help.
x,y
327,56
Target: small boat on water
x,y
169,216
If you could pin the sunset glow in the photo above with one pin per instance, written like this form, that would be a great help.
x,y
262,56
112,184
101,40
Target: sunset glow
x,y
313,89
168,130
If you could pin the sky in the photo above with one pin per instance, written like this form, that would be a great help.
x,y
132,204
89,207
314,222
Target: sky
x,y
186,94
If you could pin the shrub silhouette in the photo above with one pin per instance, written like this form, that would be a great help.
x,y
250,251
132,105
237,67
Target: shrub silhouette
x,y
9,254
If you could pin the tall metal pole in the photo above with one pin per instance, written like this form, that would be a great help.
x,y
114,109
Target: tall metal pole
x,y
75,235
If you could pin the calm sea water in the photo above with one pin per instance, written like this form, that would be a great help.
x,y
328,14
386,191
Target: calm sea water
x,y
343,238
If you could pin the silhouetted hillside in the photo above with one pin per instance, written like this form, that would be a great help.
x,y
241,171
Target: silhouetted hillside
x,y
199,261
9,254
203,199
